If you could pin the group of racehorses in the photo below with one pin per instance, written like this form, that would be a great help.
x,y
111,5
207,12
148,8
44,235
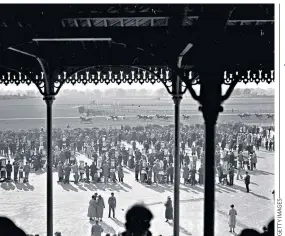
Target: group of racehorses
x,y
88,119
260,116
160,117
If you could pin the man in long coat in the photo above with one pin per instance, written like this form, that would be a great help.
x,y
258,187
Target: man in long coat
x,y
106,172
93,170
75,170
185,173
27,170
67,170
155,170
9,169
168,209
170,173
247,181
112,205
60,172
86,167
16,170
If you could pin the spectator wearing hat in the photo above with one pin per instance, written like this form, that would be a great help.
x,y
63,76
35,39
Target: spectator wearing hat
x,y
168,210
138,221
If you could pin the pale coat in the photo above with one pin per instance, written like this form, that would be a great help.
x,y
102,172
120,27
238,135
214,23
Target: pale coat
x,y
100,207
232,218
92,213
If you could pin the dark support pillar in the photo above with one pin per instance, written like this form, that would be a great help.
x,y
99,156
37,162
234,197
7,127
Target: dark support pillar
x,y
209,180
49,101
210,98
177,97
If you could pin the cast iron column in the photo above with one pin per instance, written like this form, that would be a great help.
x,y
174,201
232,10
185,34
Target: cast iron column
x,y
177,97
49,101
210,97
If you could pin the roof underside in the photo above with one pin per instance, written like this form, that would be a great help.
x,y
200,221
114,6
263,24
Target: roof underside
x,y
141,35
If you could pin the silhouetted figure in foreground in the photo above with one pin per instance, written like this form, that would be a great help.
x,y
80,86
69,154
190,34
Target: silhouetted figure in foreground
x,y
8,228
268,231
138,221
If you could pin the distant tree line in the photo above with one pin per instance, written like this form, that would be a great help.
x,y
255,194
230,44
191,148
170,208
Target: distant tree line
x,y
125,93
158,93
10,97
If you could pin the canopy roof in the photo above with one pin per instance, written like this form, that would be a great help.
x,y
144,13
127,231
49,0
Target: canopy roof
x,y
88,35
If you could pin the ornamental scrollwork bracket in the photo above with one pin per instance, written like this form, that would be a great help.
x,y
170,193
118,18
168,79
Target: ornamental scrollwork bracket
x,y
14,76
229,78
117,74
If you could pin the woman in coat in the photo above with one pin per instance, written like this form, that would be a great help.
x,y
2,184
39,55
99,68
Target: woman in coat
x,y
121,174
60,172
232,219
254,160
185,173
92,209
168,210
100,205
75,170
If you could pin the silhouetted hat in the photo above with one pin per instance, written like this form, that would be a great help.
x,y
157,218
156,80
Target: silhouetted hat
x,y
139,212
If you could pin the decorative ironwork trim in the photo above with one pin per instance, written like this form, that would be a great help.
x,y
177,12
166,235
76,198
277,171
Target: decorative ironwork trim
x,y
134,74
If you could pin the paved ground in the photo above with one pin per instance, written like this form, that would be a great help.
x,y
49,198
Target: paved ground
x,y
26,203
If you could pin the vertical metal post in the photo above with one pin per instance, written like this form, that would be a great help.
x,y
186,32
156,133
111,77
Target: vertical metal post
x,y
209,180
210,97
177,97
49,101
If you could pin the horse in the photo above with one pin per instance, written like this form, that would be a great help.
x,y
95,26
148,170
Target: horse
x,y
244,115
122,117
111,117
86,120
270,116
145,117
259,116
159,117
186,117
166,117
141,116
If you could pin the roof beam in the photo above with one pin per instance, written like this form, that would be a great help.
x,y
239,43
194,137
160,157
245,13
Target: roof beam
x,y
63,23
152,19
89,23
10,36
